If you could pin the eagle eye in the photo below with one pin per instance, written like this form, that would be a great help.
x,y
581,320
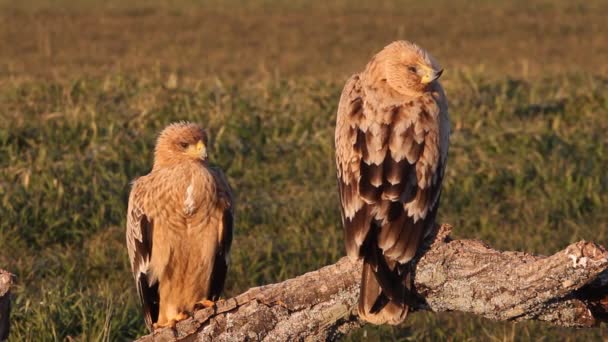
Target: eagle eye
x,y
412,68
183,144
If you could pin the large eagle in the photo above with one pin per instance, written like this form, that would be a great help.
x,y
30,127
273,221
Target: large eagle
x,y
179,228
392,135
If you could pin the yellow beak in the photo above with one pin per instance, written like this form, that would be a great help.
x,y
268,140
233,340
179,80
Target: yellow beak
x,y
429,74
197,151
201,149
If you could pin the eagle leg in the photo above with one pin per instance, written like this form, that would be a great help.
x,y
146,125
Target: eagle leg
x,y
172,322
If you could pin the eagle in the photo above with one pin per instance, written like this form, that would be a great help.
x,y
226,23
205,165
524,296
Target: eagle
x,y
179,228
391,140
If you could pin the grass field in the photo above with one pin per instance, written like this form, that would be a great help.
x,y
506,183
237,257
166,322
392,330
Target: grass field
x,y
85,87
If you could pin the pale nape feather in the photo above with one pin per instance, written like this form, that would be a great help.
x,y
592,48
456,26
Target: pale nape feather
x,y
391,148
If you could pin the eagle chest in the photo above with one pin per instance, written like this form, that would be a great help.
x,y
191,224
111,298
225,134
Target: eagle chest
x,y
200,197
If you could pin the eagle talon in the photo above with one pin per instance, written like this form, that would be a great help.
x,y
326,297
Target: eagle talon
x,y
172,322
205,303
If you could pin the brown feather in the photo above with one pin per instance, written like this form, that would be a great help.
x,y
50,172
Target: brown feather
x,y
356,230
369,290
407,244
411,189
367,190
394,170
393,174
390,231
372,174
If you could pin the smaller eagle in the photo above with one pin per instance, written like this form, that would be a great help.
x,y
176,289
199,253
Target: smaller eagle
x,y
179,228
392,135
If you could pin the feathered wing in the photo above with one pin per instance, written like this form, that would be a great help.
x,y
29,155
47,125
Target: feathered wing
x,y
390,161
140,228
355,215
225,213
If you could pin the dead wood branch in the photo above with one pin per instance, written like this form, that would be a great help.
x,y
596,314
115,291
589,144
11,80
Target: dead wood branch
x,y
568,289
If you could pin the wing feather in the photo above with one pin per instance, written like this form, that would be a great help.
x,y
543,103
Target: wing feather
x,y
413,167
350,148
225,211
139,234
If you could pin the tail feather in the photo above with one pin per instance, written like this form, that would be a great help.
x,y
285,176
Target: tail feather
x,y
374,304
391,277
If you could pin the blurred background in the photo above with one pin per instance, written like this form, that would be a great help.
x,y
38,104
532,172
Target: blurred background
x,y
85,86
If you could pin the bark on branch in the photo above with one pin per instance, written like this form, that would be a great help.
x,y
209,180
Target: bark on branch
x,y
569,288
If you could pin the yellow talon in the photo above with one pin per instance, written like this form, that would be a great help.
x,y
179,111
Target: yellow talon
x,y
205,303
172,322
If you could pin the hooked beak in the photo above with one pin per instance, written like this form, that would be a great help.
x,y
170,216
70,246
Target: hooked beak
x,y
430,75
198,151
201,150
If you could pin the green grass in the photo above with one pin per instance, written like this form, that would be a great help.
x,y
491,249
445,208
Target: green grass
x,y
526,167
526,172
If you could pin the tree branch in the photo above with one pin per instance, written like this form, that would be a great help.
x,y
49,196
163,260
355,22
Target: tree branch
x,y
568,289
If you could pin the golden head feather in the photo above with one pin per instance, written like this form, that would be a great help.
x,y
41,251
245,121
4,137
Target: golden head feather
x,y
405,67
180,142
